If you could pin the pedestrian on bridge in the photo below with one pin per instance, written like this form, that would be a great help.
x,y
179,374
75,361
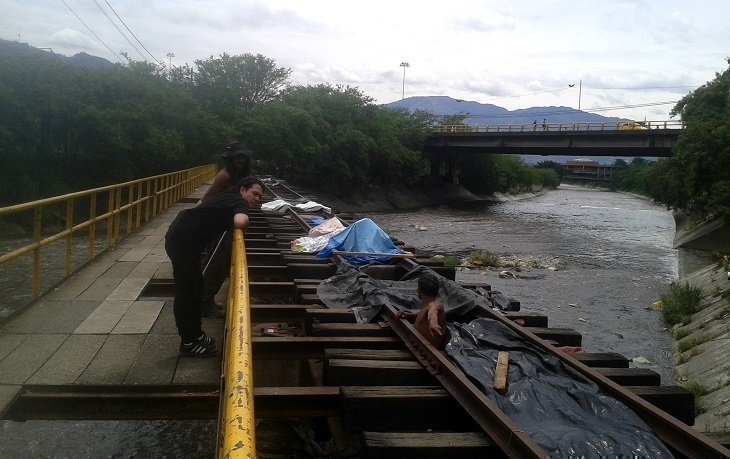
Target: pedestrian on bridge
x,y
191,231
236,165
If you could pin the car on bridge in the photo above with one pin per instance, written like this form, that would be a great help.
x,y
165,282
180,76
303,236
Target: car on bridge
x,y
632,126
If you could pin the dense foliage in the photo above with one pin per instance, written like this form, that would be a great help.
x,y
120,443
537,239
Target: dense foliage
x,y
65,128
697,176
505,174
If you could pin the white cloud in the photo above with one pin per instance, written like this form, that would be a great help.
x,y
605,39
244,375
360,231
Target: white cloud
x,y
513,54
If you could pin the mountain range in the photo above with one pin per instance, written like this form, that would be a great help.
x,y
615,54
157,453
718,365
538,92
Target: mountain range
x,y
481,114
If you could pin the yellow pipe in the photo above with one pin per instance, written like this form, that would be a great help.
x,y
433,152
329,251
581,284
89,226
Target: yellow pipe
x,y
236,430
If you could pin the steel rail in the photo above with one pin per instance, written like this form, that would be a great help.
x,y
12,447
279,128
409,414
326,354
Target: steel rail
x,y
500,428
678,436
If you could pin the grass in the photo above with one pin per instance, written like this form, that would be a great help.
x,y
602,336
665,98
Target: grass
x,y
680,303
698,390
484,258
449,260
688,344
682,333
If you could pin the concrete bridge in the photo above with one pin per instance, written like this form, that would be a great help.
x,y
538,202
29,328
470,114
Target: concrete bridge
x,y
645,139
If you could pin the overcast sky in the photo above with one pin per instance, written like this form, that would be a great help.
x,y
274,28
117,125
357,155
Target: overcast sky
x,y
515,54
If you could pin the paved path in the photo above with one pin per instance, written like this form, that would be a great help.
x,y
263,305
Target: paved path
x,y
95,330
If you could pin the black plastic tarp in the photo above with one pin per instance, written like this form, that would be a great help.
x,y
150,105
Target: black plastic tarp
x,y
351,288
547,399
559,408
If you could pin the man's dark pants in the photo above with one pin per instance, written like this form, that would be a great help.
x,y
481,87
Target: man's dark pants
x,y
217,266
185,258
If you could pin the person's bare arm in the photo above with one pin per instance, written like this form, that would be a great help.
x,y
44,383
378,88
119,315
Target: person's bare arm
x,y
406,315
433,321
221,182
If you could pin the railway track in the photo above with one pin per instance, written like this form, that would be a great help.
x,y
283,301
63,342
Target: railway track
x,y
385,391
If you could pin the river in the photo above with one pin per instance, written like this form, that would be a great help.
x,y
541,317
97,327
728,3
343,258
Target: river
x,y
612,254
612,257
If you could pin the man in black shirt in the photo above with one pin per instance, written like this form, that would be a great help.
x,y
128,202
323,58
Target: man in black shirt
x,y
191,231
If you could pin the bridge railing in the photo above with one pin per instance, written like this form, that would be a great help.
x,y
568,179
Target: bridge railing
x,y
118,209
236,421
560,127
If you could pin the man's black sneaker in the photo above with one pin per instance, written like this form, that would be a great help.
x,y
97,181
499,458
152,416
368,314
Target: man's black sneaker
x,y
197,349
205,340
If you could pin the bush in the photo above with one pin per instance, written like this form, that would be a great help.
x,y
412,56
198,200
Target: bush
x,y
681,302
484,258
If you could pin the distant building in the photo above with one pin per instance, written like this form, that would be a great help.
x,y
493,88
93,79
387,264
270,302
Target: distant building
x,y
589,170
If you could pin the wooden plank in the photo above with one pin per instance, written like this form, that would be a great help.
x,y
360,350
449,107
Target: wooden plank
x,y
407,445
354,329
388,408
165,402
529,319
602,359
264,289
279,312
339,372
368,354
675,400
631,376
373,254
500,372
562,336
311,270
327,315
312,347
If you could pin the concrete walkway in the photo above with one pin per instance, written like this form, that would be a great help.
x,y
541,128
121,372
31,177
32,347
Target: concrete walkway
x,y
95,330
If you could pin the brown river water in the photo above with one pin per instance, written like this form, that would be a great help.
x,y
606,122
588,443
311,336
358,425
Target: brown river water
x,y
612,257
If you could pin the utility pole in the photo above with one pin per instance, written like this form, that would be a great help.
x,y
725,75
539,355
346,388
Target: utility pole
x,y
169,55
580,90
404,65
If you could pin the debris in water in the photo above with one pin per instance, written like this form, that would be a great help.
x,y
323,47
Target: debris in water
x,y
507,275
640,359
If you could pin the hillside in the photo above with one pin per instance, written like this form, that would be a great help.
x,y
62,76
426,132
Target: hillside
x,y
479,113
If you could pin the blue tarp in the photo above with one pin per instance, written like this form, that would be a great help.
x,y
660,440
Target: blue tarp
x,y
362,236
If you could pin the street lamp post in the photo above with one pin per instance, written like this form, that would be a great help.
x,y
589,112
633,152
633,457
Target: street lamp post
x,y
169,55
580,91
404,65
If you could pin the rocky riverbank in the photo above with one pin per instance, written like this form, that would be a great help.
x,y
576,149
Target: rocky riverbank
x,y
402,197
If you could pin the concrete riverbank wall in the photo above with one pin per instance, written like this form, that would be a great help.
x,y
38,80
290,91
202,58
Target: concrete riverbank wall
x,y
703,345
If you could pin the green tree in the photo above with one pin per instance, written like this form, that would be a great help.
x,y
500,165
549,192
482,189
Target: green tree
x,y
697,176
244,81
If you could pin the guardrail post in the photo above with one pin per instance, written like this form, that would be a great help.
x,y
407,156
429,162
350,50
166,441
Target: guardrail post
x,y
69,236
92,227
36,281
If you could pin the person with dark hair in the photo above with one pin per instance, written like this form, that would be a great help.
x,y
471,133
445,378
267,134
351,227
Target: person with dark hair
x,y
191,231
430,321
237,164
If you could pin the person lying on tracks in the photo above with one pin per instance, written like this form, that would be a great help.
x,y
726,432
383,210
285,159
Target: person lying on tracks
x,y
191,231
430,321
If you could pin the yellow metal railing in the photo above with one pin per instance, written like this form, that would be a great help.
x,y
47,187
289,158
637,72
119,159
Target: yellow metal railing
x,y
236,431
122,208
562,127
